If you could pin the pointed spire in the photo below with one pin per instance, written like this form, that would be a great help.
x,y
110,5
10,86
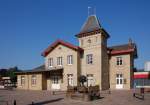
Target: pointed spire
x,y
91,24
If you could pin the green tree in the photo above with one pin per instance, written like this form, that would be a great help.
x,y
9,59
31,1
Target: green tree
x,y
11,73
82,79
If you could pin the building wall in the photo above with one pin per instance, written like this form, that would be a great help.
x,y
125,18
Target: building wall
x,y
124,69
44,81
131,71
97,46
48,83
24,86
63,51
105,65
28,85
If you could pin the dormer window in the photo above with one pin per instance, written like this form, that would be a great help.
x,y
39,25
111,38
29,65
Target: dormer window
x,y
119,61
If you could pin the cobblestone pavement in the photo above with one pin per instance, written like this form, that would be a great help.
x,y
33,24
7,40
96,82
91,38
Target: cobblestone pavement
x,y
25,97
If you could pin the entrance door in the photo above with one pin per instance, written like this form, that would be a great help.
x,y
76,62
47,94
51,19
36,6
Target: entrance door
x,y
119,81
70,79
55,82
90,81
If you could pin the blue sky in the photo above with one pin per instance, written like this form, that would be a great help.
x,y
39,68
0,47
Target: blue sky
x,y
27,27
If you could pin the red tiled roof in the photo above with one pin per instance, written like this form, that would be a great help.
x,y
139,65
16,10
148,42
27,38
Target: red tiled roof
x,y
57,42
113,52
123,49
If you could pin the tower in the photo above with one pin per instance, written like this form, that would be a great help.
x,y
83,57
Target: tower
x,y
94,62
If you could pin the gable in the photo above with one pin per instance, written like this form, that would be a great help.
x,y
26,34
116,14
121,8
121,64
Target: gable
x,y
63,43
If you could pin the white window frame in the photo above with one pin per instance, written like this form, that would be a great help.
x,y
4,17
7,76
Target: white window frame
x,y
59,61
119,61
89,59
70,59
90,80
55,80
70,80
22,82
50,62
119,79
33,80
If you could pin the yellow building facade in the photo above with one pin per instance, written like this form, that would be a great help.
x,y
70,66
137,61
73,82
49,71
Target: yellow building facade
x,y
108,67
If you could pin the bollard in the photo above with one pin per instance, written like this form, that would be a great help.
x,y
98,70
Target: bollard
x,y
14,102
133,94
32,103
142,92
53,92
109,91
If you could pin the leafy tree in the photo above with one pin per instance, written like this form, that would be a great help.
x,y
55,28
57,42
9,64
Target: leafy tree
x,y
3,72
10,73
82,79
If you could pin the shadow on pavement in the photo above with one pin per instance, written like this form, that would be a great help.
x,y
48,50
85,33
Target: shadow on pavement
x,y
46,102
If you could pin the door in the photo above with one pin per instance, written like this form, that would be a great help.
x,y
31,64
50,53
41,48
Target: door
x,y
119,81
55,82
70,79
90,81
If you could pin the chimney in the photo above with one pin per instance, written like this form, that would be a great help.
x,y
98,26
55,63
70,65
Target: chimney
x,y
130,42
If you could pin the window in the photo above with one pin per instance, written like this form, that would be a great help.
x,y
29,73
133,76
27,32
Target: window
x,y
89,59
141,82
33,80
70,79
90,80
119,61
50,62
119,78
59,61
22,80
70,59
55,79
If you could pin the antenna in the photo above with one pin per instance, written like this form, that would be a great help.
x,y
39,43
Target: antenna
x,y
94,11
91,11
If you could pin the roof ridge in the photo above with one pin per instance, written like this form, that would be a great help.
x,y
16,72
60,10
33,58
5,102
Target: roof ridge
x,y
121,45
59,41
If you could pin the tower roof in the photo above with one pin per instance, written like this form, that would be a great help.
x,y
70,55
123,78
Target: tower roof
x,y
92,23
91,26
